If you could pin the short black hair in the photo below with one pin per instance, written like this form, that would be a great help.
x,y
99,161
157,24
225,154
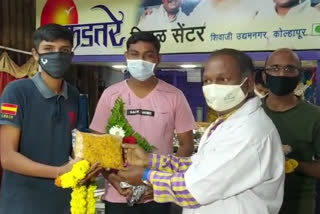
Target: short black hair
x,y
243,60
145,37
50,33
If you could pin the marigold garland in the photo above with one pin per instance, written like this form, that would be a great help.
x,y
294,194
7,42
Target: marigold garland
x,y
82,197
290,165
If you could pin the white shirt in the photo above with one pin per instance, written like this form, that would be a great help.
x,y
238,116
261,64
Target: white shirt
x,y
299,17
226,16
301,13
159,20
239,169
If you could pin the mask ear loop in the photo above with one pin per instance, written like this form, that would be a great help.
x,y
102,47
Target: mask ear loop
x,y
246,95
245,79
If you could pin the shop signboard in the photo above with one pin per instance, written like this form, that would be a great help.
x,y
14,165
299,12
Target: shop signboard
x,y
101,27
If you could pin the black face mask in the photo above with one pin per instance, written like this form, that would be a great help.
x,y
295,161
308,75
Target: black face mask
x,y
56,64
280,85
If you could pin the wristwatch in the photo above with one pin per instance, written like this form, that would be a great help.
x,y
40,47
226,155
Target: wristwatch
x,y
144,177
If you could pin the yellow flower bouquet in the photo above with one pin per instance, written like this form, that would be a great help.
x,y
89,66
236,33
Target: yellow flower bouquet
x,y
104,149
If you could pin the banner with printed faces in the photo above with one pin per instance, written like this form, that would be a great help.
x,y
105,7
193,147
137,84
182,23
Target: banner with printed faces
x,y
101,27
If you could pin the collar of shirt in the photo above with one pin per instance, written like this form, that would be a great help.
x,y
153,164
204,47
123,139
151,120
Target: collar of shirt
x,y
250,106
235,118
165,14
241,115
45,91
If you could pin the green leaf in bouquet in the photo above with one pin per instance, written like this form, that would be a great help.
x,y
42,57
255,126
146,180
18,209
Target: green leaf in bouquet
x,y
117,118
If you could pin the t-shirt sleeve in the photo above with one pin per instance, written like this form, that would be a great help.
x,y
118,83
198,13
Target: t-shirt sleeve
x,y
184,120
12,106
101,114
316,137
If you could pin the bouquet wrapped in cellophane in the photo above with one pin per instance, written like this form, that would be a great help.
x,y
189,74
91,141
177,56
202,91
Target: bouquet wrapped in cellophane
x,y
118,125
104,149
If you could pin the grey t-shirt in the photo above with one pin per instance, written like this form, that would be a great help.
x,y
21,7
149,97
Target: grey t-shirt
x,y
45,121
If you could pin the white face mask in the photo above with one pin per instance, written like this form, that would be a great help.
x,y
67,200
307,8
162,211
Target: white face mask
x,y
140,69
259,94
223,97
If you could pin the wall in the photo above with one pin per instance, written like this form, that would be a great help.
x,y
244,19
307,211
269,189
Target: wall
x,y
109,76
17,23
191,90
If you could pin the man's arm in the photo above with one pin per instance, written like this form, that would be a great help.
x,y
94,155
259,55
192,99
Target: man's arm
x,y
136,156
167,187
309,168
169,163
13,161
184,125
186,144
312,168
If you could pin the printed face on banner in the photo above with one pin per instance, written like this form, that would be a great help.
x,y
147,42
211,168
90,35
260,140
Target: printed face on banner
x,y
172,6
286,3
186,26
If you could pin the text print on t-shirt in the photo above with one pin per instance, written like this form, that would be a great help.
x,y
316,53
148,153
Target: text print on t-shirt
x,y
140,112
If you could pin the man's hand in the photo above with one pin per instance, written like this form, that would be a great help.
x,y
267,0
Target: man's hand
x,y
93,172
132,175
67,167
186,144
148,195
286,149
135,155
115,180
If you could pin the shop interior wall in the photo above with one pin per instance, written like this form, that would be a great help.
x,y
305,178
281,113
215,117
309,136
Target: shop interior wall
x,y
92,80
17,23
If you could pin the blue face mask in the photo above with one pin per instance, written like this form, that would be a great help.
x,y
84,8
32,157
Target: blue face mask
x,y
140,69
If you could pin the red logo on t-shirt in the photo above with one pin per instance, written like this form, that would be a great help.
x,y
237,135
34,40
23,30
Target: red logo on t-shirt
x,y
71,119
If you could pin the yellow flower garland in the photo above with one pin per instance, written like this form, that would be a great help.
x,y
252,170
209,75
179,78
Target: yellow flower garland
x,y
82,197
290,165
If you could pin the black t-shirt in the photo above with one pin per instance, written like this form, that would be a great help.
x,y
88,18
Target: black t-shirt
x,y
299,127
45,121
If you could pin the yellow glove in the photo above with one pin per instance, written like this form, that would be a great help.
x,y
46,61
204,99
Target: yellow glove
x,y
290,165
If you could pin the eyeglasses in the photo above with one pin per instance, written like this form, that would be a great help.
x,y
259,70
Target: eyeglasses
x,y
285,68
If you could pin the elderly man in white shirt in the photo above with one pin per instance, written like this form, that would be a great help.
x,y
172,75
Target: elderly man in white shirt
x,y
166,16
239,167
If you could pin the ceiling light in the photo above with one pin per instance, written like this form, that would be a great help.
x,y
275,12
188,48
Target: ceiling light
x,y
188,66
119,66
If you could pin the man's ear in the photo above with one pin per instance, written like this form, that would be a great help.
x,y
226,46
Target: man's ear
x,y
35,54
250,83
158,60
126,55
264,77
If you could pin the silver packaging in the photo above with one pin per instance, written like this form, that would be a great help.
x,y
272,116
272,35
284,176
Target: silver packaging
x,y
125,185
137,193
